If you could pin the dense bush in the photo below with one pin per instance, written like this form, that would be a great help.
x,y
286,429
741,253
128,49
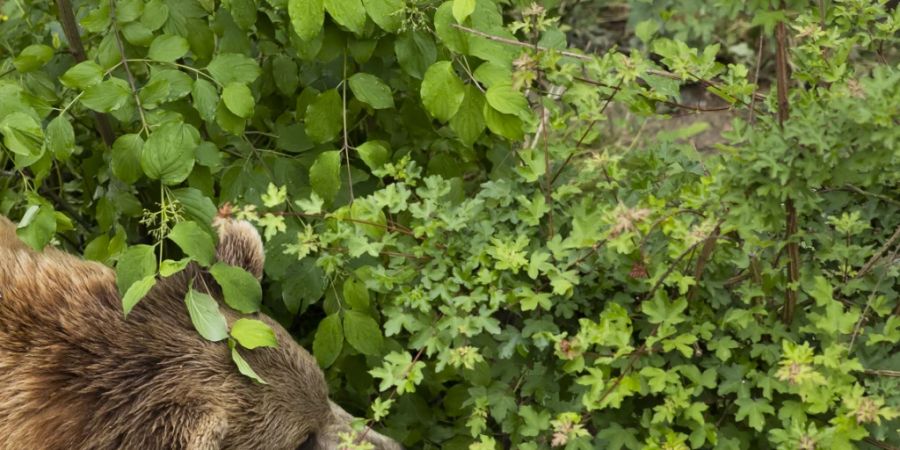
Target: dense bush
x,y
454,232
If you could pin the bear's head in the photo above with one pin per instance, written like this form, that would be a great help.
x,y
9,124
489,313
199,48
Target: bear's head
x,y
76,374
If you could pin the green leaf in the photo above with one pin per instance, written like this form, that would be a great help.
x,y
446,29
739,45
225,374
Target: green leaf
x,y
506,125
244,13
33,58
659,310
242,365
324,175
107,96
22,134
534,421
125,158
60,137
468,122
415,52
136,33
156,91
355,294
229,121
646,29
371,90
194,241
195,205
304,284
233,68
490,74
179,82
240,289
324,118
445,29
168,48
97,19
329,340
205,98
82,75
362,333
754,411
156,12
285,73
138,262
169,267
205,315
238,99
615,437
374,153
209,155
463,9
37,226
307,17
137,292
252,333
442,91
350,14
168,154
507,100
385,13
129,10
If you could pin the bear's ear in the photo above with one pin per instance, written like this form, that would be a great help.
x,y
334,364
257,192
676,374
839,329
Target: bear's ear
x,y
8,237
240,245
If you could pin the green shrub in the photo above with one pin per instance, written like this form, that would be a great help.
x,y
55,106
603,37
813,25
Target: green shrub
x,y
453,234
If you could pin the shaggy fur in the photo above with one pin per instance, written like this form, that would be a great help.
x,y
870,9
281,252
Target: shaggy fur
x,y
76,375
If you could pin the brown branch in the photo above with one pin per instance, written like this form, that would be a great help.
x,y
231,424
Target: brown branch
x,y
877,256
70,29
880,444
782,76
883,373
705,253
578,56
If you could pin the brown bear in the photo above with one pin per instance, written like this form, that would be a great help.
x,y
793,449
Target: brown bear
x,y
75,374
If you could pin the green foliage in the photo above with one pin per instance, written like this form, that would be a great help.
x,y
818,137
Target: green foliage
x,y
459,222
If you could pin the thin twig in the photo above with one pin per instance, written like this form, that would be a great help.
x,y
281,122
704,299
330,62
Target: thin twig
x,y
759,53
862,317
128,74
584,135
648,97
857,190
346,146
393,227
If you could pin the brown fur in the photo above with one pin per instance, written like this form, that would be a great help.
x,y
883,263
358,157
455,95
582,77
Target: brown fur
x,y
74,374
